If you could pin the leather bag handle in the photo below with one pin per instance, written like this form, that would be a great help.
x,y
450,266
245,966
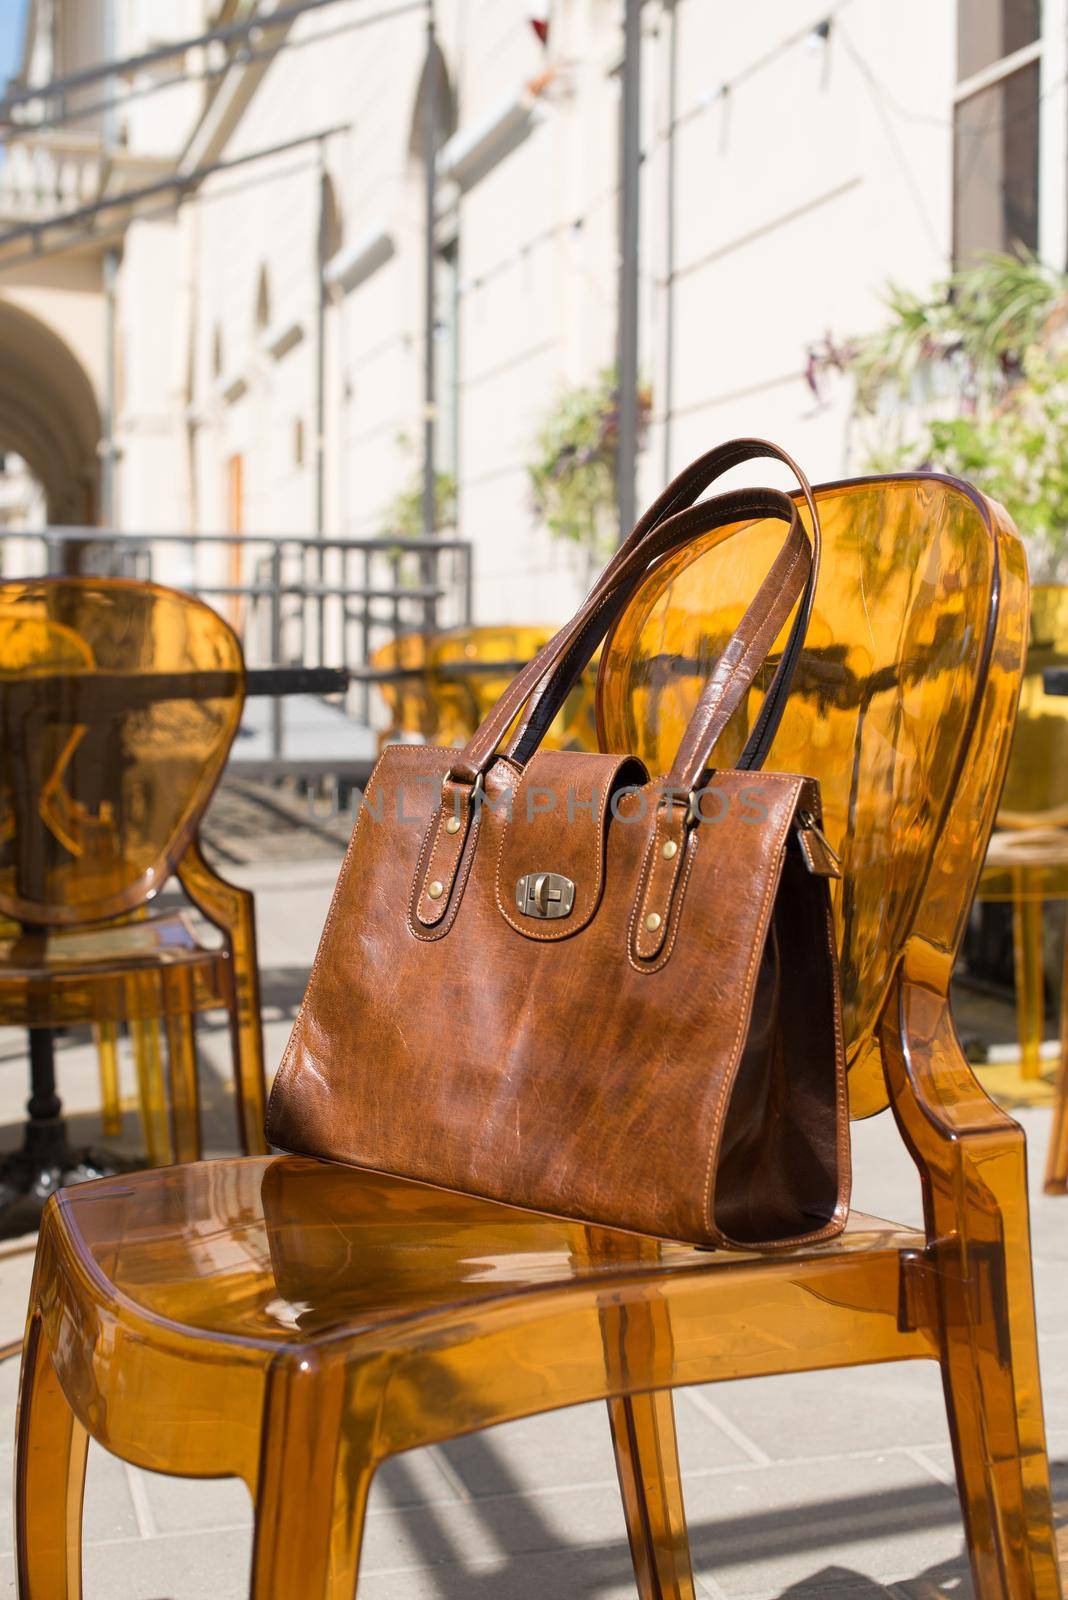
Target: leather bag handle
x,y
682,492
572,647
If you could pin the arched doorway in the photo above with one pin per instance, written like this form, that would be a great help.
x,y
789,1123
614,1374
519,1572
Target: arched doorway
x,y
49,415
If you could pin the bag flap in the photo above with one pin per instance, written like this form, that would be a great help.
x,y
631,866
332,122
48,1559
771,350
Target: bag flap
x,y
552,850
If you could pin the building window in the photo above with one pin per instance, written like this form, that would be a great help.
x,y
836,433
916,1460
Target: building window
x,y
996,122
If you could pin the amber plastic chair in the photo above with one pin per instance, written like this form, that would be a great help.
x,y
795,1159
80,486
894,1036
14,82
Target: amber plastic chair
x,y
400,669
293,1323
439,686
118,705
471,667
1027,862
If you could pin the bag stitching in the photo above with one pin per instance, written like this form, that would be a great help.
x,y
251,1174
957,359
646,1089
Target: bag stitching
x,y
673,928
287,1059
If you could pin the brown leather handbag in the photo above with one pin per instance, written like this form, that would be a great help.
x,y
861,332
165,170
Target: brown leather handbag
x,y
552,980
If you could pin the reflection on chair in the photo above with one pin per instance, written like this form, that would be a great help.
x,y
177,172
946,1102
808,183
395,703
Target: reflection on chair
x,y
1027,863
118,705
294,1323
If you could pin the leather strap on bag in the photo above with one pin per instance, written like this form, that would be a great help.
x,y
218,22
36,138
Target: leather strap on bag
x,y
680,493
572,647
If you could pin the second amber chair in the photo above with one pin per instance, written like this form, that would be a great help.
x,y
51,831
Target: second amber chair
x,y
118,705
1027,863
439,686
293,1323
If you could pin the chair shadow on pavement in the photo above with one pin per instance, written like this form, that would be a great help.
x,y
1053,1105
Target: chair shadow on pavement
x,y
537,1559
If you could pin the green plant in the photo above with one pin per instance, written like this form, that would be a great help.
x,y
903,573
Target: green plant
x,y
982,365
404,519
573,478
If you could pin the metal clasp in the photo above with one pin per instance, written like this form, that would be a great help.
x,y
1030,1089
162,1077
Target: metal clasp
x,y
544,894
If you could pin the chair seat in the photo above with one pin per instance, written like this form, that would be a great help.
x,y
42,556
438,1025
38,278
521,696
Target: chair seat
x,y
286,1249
1038,847
1031,863
54,976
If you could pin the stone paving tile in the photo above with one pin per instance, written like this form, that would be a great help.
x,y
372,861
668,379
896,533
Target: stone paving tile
x,y
495,1527
178,1567
868,1519
572,1447
819,1413
109,1508
168,1505
174,1505
599,1573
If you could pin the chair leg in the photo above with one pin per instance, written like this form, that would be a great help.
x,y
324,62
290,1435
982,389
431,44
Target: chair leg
x,y
1027,946
185,1099
246,1050
315,1435
233,910
50,1455
993,1399
972,1159
107,1049
1056,1179
152,1094
647,1461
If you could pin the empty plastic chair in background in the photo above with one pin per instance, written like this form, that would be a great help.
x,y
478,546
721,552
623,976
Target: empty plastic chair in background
x,y
1027,862
439,686
118,705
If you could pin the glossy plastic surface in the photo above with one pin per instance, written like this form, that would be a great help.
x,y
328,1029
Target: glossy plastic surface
x,y
881,712
118,705
293,1323
106,763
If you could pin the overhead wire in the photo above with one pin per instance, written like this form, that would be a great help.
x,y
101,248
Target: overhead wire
x,y
223,33
250,55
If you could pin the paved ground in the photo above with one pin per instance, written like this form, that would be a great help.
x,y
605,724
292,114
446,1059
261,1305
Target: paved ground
x,y
837,1483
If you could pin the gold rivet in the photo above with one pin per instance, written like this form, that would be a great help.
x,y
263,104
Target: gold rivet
x,y
435,890
669,849
452,825
652,921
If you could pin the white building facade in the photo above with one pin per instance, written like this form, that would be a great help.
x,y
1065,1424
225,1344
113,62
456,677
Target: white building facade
x,y
255,347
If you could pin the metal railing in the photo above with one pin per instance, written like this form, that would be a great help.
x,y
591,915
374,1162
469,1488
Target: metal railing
x,y
48,171
292,599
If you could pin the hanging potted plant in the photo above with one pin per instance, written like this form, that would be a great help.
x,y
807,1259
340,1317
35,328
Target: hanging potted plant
x,y
573,475
972,379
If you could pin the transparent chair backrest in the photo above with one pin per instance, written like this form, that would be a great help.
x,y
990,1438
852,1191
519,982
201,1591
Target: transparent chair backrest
x,y
118,705
1037,779
884,709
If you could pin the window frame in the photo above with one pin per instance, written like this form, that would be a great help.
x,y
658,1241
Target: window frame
x,y
1050,51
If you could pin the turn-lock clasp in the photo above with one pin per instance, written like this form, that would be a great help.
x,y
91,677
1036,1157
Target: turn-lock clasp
x,y
544,894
